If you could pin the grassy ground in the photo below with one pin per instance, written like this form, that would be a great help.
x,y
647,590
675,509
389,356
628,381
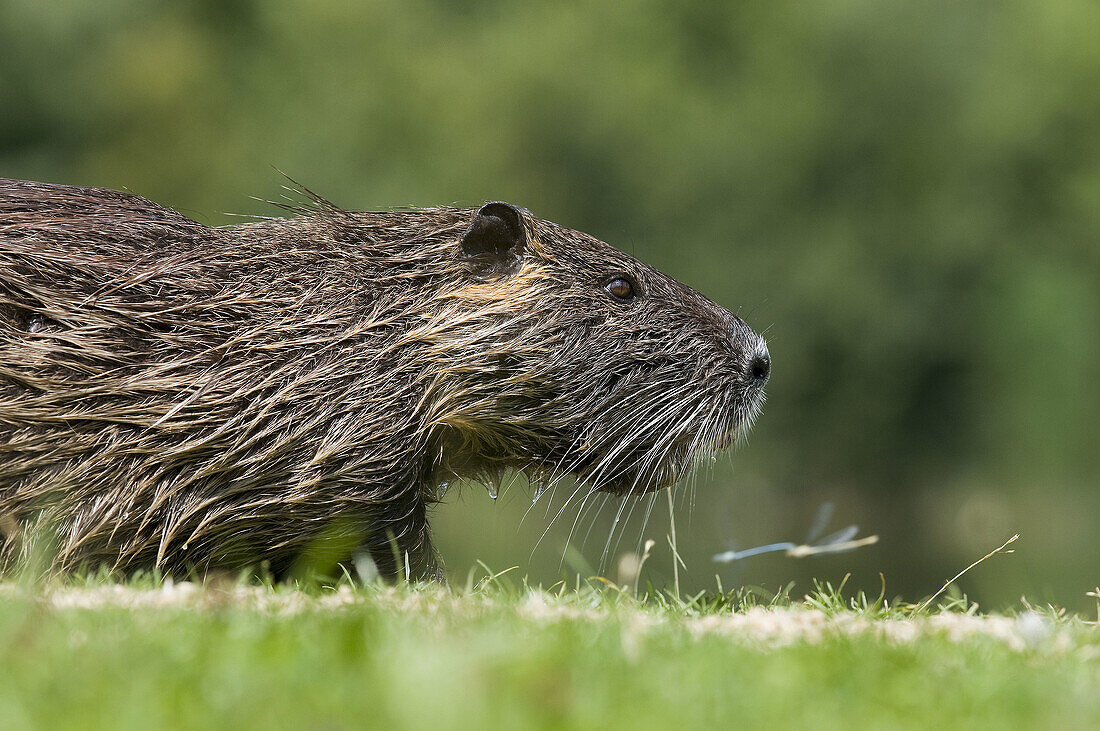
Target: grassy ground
x,y
103,655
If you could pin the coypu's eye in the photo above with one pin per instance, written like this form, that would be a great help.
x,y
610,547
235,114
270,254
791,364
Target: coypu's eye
x,y
622,288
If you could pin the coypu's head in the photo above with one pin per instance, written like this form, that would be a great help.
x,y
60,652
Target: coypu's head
x,y
564,356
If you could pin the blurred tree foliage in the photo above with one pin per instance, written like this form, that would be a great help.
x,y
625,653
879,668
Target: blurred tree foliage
x,y
905,194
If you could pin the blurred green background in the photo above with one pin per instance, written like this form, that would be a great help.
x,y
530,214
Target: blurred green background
x,y
905,195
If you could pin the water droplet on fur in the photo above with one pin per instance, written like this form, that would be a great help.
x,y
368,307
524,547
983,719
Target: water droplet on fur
x,y
538,492
492,485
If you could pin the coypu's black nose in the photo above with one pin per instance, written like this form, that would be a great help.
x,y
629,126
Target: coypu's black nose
x,y
760,367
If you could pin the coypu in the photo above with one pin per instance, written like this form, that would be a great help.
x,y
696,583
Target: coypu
x,y
187,398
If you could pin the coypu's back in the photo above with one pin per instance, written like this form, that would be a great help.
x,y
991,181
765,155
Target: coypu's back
x,y
182,397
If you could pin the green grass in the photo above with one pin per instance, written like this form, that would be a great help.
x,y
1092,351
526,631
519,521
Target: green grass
x,y
102,655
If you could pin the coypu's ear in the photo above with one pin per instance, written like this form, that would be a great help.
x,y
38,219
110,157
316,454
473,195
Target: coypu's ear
x,y
495,240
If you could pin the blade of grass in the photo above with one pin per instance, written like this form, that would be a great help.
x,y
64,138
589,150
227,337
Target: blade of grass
x,y
924,605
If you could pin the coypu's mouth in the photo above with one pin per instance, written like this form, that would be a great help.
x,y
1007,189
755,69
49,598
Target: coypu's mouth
x,y
649,468
638,468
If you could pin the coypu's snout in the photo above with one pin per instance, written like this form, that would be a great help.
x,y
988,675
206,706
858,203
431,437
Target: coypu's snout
x,y
756,365
760,367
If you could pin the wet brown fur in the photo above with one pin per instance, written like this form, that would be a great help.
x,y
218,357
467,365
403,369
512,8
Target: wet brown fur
x,y
184,397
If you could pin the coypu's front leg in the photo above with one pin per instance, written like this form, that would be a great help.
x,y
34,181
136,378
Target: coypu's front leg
x,y
400,544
